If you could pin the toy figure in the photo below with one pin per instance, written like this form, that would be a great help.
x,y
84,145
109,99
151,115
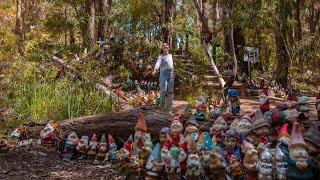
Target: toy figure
x,y
134,167
244,126
82,147
93,145
164,133
214,165
265,170
112,156
70,146
142,140
191,128
233,102
230,141
194,168
176,128
264,102
234,124
281,164
250,160
183,156
218,129
155,166
124,154
283,134
318,104
235,165
215,111
102,148
16,134
201,108
170,154
299,164
312,139
48,134
261,129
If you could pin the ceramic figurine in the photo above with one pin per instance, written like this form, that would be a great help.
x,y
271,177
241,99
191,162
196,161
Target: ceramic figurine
x,y
134,167
176,129
214,165
218,129
155,166
164,133
245,124
102,148
48,134
142,139
201,109
265,163
170,154
233,102
124,154
230,141
183,156
299,163
93,145
215,111
70,146
112,156
281,164
82,147
318,104
234,124
235,165
264,102
312,139
191,129
261,129
250,160
16,134
283,134
194,167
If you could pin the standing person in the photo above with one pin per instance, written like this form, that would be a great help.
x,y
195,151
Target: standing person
x,y
166,79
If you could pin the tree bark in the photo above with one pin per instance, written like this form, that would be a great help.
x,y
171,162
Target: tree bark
x,y
90,23
298,27
168,18
103,6
20,26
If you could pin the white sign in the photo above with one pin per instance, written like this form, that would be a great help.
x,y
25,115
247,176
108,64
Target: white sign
x,y
251,54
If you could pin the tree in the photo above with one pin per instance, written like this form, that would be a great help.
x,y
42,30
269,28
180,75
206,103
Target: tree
x,y
169,8
90,10
20,26
104,5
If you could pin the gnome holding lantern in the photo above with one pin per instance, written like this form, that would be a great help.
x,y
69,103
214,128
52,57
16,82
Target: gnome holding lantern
x,y
155,166
102,148
250,160
82,147
261,129
112,156
264,102
233,102
218,129
93,145
70,146
299,164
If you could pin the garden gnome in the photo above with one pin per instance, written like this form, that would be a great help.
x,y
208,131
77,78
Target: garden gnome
x,y
48,134
124,154
194,168
142,139
176,128
174,170
202,108
155,166
230,141
82,147
244,126
250,160
264,102
70,146
93,145
233,102
312,139
183,156
214,165
134,166
299,164
281,163
283,134
261,129
318,104
191,129
112,156
235,165
102,148
265,163
218,129
164,133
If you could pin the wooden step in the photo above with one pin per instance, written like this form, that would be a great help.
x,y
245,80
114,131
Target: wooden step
x,y
211,84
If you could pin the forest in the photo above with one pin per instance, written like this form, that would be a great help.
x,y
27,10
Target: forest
x,y
68,59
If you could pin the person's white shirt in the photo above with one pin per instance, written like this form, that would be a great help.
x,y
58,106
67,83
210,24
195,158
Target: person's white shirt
x,y
164,62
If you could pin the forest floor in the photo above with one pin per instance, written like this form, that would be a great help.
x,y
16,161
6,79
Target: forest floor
x,y
36,162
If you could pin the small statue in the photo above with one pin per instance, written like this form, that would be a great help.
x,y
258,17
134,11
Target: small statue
x,y
176,129
235,165
281,164
299,163
183,156
214,165
201,109
194,167
318,104
82,147
264,102
245,124
261,129
230,141
234,124
192,128
70,146
134,167
93,145
16,134
283,134
124,154
112,156
48,134
164,133
218,129
102,148
170,154
250,160
233,102
142,139
265,169
155,166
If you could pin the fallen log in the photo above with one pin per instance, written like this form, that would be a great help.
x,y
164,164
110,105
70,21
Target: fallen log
x,y
118,124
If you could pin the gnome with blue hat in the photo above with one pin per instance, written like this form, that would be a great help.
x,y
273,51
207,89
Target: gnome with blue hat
x,y
155,166
233,102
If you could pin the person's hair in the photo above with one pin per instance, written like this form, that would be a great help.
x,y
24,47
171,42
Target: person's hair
x,y
161,51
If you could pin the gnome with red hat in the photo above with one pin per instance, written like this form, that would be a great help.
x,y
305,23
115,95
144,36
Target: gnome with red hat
x,y
102,148
318,104
264,102
299,163
183,156
93,145
124,154
245,124
261,129
250,160
176,129
218,128
283,134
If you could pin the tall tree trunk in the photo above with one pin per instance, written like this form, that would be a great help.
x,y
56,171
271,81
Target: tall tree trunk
x,y
298,27
20,26
103,6
90,23
168,18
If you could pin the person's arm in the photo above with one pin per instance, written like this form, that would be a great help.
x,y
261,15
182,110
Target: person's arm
x,y
157,66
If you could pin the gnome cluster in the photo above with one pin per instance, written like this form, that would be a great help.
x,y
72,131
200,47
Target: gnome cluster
x,y
269,143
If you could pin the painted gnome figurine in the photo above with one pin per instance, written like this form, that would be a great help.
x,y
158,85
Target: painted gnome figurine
x,y
312,138
281,163
48,134
93,145
102,148
176,129
264,102
170,153
164,133
112,156
155,166
318,104
194,167
191,129
124,154
250,160
245,124
70,146
235,165
233,102
230,141
299,164
142,140
261,129
82,147
265,169
218,129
